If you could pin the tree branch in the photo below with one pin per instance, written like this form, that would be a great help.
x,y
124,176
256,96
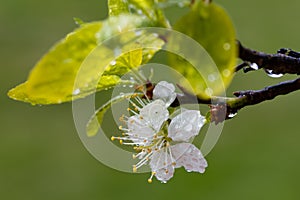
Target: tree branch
x,y
278,63
222,108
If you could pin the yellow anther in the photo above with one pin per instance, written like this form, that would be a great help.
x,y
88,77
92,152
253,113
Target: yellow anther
x,y
120,127
167,171
134,156
134,95
121,118
121,141
149,180
134,169
141,117
173,163
112,138
128,109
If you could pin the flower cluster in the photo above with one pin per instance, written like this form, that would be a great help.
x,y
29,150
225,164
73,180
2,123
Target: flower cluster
x,y
161,142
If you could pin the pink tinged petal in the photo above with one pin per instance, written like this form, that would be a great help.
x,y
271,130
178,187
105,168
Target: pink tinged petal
x,y
138,127
185,125
154,114
165,91
189,156
161,164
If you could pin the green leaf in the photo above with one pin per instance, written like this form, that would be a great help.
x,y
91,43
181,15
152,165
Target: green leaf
x,y
117,7
145,8
52,80
210,26
96,120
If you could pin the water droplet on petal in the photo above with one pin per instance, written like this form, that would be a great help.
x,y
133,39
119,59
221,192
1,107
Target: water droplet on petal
x,y
189,127
272,75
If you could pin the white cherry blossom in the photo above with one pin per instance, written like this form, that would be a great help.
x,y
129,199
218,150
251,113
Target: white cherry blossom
x,y
162,143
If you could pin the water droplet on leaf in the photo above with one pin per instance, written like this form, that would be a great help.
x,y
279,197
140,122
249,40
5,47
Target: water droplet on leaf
x,y
227,46
113,63
209,91
76,92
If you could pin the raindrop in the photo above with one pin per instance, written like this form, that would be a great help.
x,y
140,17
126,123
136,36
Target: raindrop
x,y
188,127
138,33
232,115
254,66
227,46
226,72
113,63
155,35
181,4
76,92
69,60
272,75
117,52
211,77
209,91
140,12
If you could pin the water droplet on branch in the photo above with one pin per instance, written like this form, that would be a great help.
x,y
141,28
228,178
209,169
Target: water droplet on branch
x,y
232,115
273,75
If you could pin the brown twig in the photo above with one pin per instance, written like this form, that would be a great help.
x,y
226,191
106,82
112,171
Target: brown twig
x,y
276,63
222,108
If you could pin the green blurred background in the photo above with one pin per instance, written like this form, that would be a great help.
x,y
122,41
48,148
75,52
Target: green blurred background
x,y
41,156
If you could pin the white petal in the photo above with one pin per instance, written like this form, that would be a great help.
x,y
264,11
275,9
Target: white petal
x,y
161,164
189,156
185,125
165,91
155,114
165,174
138,127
